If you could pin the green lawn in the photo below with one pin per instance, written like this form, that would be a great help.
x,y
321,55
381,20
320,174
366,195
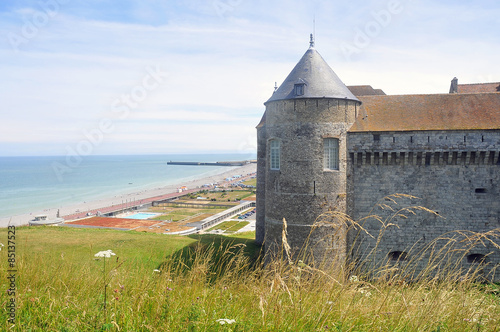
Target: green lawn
x,y
221,197
251,182
230,226
181,213
237,227
170,283
60,285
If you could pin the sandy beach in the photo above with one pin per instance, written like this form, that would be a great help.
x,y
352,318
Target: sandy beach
x,y
51,212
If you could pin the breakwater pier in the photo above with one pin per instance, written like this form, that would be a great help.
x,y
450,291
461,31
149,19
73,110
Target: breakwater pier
x,y
217,163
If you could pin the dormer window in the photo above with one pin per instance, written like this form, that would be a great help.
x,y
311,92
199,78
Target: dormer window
x,y
299,88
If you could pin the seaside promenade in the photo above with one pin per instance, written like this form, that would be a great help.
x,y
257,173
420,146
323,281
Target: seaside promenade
x,y
128,205
107,205
139,203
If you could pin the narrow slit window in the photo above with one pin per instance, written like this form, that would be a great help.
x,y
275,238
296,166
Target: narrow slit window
x,y
331,153
275,154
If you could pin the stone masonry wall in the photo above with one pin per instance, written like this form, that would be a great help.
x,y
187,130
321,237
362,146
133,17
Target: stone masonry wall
x,y
302,189
455,173
261,185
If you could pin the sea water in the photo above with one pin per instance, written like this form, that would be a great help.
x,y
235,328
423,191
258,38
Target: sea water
x,y
35,183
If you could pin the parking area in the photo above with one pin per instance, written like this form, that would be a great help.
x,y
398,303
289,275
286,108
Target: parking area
x,y
248,215
242,222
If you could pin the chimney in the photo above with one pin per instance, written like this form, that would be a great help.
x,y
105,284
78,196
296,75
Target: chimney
x,y
454,85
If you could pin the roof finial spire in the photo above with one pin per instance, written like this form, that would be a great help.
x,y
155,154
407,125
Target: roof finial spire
x,y
311,42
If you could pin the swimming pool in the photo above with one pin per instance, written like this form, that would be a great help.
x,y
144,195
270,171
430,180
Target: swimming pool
x,y
142,215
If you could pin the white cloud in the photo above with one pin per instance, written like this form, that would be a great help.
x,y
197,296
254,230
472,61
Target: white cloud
x,y
221,68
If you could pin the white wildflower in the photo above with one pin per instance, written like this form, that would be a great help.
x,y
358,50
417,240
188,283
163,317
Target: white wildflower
x,y
474,320
353,279
365,292
106,253
223,321
156,270
1,245
301,264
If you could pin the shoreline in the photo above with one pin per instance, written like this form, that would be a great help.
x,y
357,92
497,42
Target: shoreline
x,y
23,219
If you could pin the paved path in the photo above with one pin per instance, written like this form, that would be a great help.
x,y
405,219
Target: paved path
x,y
120,207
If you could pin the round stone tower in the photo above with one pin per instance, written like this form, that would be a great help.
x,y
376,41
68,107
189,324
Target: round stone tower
x,y
302,160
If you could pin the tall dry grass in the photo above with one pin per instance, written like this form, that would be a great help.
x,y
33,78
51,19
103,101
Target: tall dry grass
x,y
222,284
444,257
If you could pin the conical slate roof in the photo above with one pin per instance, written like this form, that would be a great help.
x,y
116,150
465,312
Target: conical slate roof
x,y
319,80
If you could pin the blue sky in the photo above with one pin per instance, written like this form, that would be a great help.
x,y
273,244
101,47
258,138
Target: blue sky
x,y
149,77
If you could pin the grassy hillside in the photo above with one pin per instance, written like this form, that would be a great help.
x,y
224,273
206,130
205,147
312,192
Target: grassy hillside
x,y
167,283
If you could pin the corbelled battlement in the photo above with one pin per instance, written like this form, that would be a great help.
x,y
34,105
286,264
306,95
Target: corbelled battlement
x,y
425,158
425,148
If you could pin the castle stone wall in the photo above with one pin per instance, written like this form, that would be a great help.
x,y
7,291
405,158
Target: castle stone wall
x,y
455,173
261,185
302,189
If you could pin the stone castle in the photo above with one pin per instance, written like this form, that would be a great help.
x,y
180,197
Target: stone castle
x,y
323,146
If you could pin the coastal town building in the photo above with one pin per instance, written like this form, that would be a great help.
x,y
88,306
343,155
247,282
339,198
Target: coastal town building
x,y
323,146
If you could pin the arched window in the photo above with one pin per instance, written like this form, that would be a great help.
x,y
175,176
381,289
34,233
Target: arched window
x,y
274,154
331,153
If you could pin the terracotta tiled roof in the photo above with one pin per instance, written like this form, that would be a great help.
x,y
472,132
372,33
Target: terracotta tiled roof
x,y
479,88
365,90
428,112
